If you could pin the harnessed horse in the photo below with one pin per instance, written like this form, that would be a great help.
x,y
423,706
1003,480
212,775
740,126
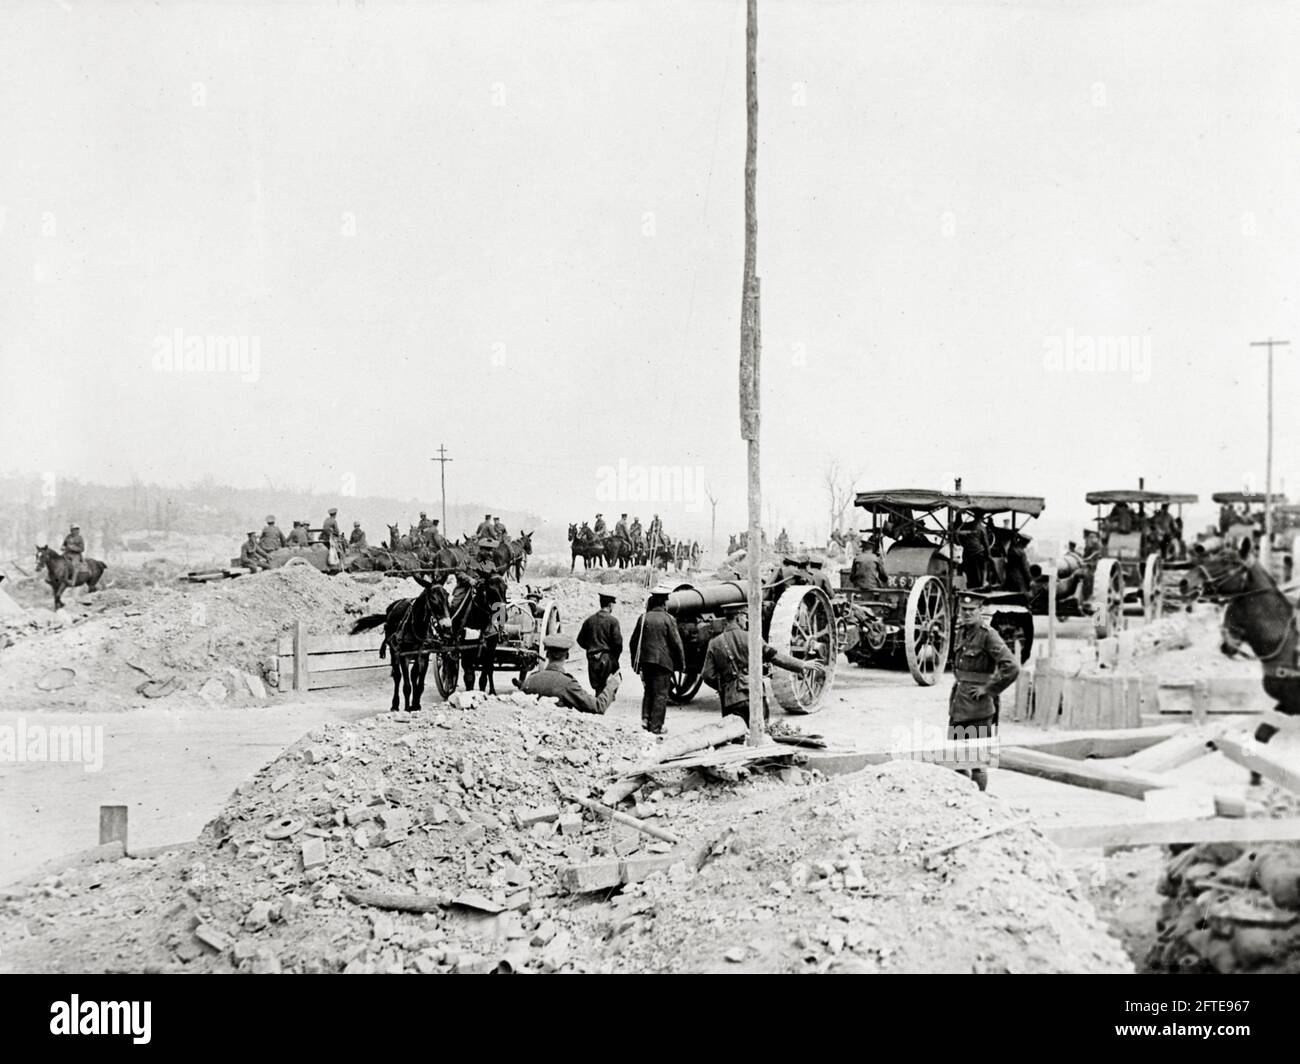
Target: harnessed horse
x,y
409,628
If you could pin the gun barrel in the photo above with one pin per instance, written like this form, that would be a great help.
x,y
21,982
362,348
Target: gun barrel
x,y
694,600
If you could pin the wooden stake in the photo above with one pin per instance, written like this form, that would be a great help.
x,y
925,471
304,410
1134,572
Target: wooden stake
x,y
1051,612
112,824
300,678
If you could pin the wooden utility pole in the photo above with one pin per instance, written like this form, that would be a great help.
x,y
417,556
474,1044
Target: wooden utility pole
x,y
750,346
713,520
442,460
1266,551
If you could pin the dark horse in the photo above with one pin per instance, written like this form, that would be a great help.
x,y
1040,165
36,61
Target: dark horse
x,y
586,546
1258,614
60,573
479,603
510,556
618,552
409,627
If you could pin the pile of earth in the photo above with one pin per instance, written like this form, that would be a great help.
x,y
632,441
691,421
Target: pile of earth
x,y
459,807
189,633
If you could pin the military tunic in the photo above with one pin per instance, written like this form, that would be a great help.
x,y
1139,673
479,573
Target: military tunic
x,y
271,539
554,682
357,541
726,668
602,638
984,667
298,537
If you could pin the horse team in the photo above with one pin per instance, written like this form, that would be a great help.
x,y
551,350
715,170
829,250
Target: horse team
x,y
616,552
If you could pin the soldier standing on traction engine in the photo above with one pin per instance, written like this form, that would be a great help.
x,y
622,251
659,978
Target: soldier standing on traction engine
x,y
983,667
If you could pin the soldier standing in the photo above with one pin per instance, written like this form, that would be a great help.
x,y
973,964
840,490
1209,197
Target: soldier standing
x,y
983,667
272,538
973,537
726,664
657,653
636,531
602,639
330,532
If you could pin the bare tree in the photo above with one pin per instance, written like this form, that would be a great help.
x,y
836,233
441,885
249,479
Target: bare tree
x,y
839,484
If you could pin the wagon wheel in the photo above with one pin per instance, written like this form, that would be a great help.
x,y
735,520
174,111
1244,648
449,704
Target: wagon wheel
x,y
927,630
803,626
1017,631
295,559
1108,597
1153,591
686,685
446,673
548,623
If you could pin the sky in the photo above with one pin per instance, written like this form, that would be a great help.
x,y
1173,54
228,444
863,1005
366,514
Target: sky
x,y
516,229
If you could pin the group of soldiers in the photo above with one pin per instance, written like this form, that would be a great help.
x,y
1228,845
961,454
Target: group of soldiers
x,y
1162,529
255,552
629,533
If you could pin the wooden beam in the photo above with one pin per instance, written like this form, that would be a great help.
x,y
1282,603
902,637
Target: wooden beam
x,y
322,681
1187,744
1141,833
300,676
1271,763
1107,743
724,731
1103,777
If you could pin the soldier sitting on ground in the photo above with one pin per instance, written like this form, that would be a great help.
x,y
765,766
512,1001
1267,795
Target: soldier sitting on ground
x,y
554,682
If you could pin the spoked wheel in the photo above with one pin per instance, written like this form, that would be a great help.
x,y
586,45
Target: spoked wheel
x,y
803,626
927,630
1108,595
1153,591
446,673
1017,631
685,686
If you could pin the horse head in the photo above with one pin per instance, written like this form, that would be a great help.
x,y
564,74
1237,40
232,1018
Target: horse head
x,y
573,532
526,541
43,554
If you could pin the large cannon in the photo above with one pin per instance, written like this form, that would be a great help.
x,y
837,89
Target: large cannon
x,y
797,620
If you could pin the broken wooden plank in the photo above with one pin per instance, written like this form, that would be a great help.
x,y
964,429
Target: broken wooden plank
x,y
726,730
1103,777
612,814
405,903
1187,744
1273,763
1167,833
1110,743
738,755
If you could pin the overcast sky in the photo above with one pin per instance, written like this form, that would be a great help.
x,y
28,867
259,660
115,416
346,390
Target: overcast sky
x,y
516,228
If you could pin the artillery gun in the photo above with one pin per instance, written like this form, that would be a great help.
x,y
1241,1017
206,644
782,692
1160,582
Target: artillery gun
x,y
798,620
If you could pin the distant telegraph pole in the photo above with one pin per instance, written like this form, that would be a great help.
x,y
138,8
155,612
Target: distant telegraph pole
x,y
713,519
1266,554
442,461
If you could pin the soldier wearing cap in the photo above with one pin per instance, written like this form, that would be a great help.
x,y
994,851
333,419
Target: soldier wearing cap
x,y
599,526
726,664
602,638
357,541
424,524
657,653
621,530
73,549
868,570
272,538
298,536
499,530
434,536
251,555
554,682
983,667
330,532
484,530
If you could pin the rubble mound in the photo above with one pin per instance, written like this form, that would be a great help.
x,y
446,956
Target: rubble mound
x,y
454,817
1230,909
838,878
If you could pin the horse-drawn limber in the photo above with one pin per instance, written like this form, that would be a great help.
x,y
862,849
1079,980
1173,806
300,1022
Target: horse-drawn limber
x,y
798,620
912,619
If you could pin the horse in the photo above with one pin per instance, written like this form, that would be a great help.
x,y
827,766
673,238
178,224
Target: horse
x,y
1257,613
409,626
617,552
587,548
60,575
520,549
479,602
397,541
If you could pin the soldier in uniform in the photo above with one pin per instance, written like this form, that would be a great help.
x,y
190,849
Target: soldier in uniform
x,y
602,639
499,530
599,527
621,530
484,530
330,532
868,571
554,682
657,653
272,538
635,532
726,664
435,537
251,556
357,541
983,667
298,536
73,549
655,532
973,537
424,525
